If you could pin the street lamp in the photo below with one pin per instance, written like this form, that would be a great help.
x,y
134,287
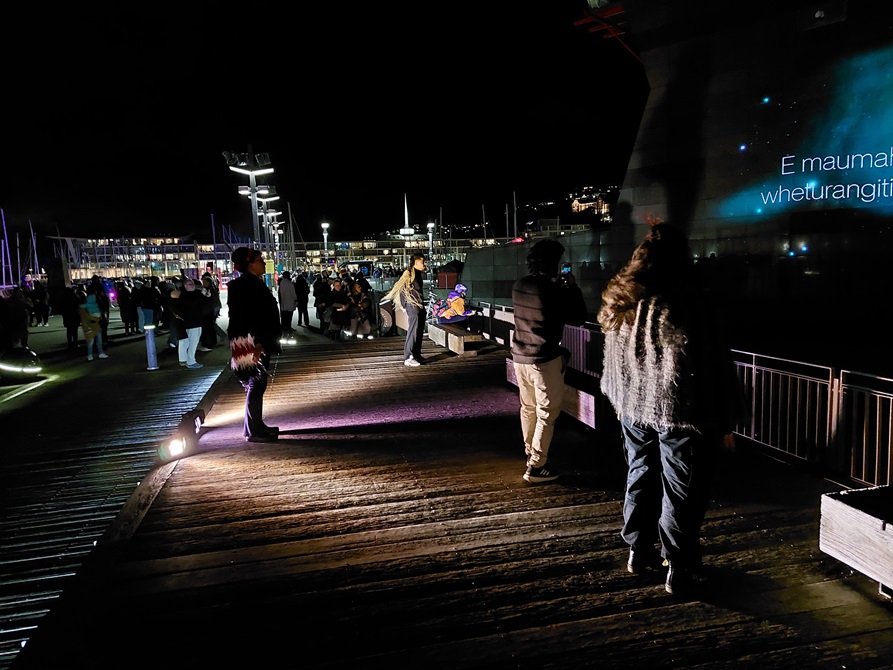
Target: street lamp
x,y
273,224
253,165
325,242
431,242
270,196
407,232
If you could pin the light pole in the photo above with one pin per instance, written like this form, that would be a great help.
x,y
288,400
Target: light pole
x,y
407,233
270,196
273,225
325,243
431,242
253,165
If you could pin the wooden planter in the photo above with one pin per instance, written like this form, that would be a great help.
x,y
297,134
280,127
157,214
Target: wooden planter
x,y
857,529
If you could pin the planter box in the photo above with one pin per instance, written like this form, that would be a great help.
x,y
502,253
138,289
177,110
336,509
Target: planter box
x,y
857,529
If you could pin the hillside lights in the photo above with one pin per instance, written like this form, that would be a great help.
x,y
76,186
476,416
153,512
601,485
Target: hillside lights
x,y
185,438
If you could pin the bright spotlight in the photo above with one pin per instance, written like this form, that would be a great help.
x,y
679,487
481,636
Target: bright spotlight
x,y
185,438
173,448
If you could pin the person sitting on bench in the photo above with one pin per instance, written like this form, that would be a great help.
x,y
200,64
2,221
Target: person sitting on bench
x,y
455,307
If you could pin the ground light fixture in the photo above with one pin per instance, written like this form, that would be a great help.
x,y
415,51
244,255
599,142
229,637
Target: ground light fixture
x,y
185,438
20,363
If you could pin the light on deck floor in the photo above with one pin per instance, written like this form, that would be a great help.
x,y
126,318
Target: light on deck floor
x,y
185,438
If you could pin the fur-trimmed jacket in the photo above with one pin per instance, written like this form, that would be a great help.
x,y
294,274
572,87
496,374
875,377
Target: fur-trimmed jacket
x,y
664,372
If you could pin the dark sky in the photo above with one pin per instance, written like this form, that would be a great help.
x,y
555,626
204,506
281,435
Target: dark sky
x,y
115,120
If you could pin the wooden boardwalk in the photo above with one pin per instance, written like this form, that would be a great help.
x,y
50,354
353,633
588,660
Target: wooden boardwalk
x,y
390,527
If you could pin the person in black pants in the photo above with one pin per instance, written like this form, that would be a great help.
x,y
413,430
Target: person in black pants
x,y
302,290
408,291
254,328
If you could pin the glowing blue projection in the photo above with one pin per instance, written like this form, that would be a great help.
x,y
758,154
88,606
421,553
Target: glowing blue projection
x,y
843,158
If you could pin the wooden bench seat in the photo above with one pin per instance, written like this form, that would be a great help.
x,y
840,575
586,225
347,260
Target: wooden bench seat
x,y
456,338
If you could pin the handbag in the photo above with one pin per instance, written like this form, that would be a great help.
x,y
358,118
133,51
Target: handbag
x,y
245,362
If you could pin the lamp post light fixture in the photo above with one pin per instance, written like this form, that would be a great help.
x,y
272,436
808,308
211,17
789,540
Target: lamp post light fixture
x,y
274,226
325,244
431,242
407,232
270,196
253,165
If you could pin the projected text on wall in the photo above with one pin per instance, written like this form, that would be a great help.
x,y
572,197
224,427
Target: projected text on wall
x,y
839,190
825,144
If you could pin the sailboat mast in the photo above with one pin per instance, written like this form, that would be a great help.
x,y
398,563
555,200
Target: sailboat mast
x,y
4,253
515,200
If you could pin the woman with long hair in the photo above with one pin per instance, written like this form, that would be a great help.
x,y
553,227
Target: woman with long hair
x,y
670,378
407,292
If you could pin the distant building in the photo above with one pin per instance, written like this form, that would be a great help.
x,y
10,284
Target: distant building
x,y
166,256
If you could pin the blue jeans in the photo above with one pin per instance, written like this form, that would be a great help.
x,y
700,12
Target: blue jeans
x,y
667,490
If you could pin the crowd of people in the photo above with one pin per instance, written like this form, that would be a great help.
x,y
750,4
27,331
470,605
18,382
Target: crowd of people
x,y
341,299
343,305
86,310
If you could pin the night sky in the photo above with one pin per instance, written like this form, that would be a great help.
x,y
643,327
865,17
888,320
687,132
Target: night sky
x,y
115,121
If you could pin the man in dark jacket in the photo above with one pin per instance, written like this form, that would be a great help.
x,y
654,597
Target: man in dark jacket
x,y
302,290
148,298
542,306
254,328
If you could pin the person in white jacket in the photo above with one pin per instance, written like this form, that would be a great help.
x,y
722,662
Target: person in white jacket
x,y
288,302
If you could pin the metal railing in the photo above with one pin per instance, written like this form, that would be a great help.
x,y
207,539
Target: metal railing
x,y
863,430
839,420
791,404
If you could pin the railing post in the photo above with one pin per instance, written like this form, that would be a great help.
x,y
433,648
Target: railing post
x,y
835,420
151,353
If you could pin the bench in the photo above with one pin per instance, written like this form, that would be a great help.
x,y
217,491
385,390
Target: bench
x,y
579,403
456,338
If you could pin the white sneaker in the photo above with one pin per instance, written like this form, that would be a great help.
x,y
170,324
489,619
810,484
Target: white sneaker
x,y
103,355
411,362
89,357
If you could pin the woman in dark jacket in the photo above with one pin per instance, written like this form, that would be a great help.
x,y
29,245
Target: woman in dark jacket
x,y
341,310
254,328
671,379
187,309
71,316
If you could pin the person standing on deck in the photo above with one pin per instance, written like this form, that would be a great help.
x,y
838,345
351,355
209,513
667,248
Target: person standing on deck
x,y
254,329
408,292
669,375
542,306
